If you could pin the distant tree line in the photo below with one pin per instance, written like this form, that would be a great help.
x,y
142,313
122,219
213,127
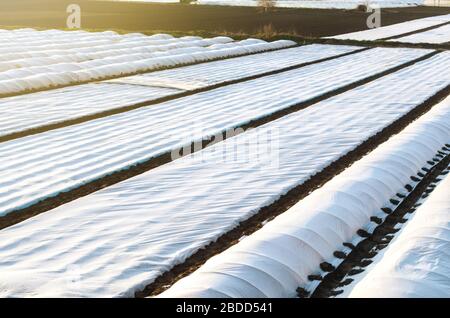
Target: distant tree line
x,y
265,4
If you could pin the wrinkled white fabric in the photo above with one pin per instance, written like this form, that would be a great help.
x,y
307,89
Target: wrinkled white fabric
x,y
35,60
115,241
417,263
277,259
42,108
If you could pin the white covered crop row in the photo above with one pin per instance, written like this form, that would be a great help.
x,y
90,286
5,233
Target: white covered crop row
x,y
41,65
276,260
41,49
82,48
19,113
321,4
178,208
38,109
394,30
417,263
207,74
84,152
437,36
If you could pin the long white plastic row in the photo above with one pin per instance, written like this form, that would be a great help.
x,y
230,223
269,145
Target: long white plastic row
x,y
178,208
97,45
417,263
84,152
394,29
29,41
97,48
276,260
322,4
23,112
42,67
437,36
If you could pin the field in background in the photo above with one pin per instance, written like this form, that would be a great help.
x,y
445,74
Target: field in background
x,y
191,19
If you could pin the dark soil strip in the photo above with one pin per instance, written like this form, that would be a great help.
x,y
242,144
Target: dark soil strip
x,y
79,120
416,31
285,202
379,239
65,197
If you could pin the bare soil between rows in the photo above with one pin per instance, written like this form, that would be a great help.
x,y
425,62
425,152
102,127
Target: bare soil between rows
x,y
188,19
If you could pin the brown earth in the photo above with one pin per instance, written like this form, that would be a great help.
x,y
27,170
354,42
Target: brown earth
x,y
150,17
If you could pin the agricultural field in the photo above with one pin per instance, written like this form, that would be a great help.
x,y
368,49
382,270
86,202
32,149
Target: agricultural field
x,y
211,166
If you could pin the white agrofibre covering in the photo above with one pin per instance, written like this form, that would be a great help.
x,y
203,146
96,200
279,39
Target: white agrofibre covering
x,y
276,260
417,263
435,36
394,29
178,208
38,109
206,74
42,59
87,151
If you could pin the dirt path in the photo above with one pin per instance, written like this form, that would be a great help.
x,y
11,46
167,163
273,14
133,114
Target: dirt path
x,y
150,17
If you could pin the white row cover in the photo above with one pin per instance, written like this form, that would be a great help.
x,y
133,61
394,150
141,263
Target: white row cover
x,y
84,152
417,263
32,37
206,74
394,29
37,49
276,260
117,240
23,112
321,4
435,36
79,61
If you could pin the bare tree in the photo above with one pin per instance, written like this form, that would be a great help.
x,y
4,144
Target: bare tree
x,y
266,5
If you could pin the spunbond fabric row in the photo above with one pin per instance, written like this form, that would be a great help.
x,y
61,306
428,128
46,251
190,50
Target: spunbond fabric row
x,y
29,66
417,263
90,237
91,150
276,260
39,109
435,36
